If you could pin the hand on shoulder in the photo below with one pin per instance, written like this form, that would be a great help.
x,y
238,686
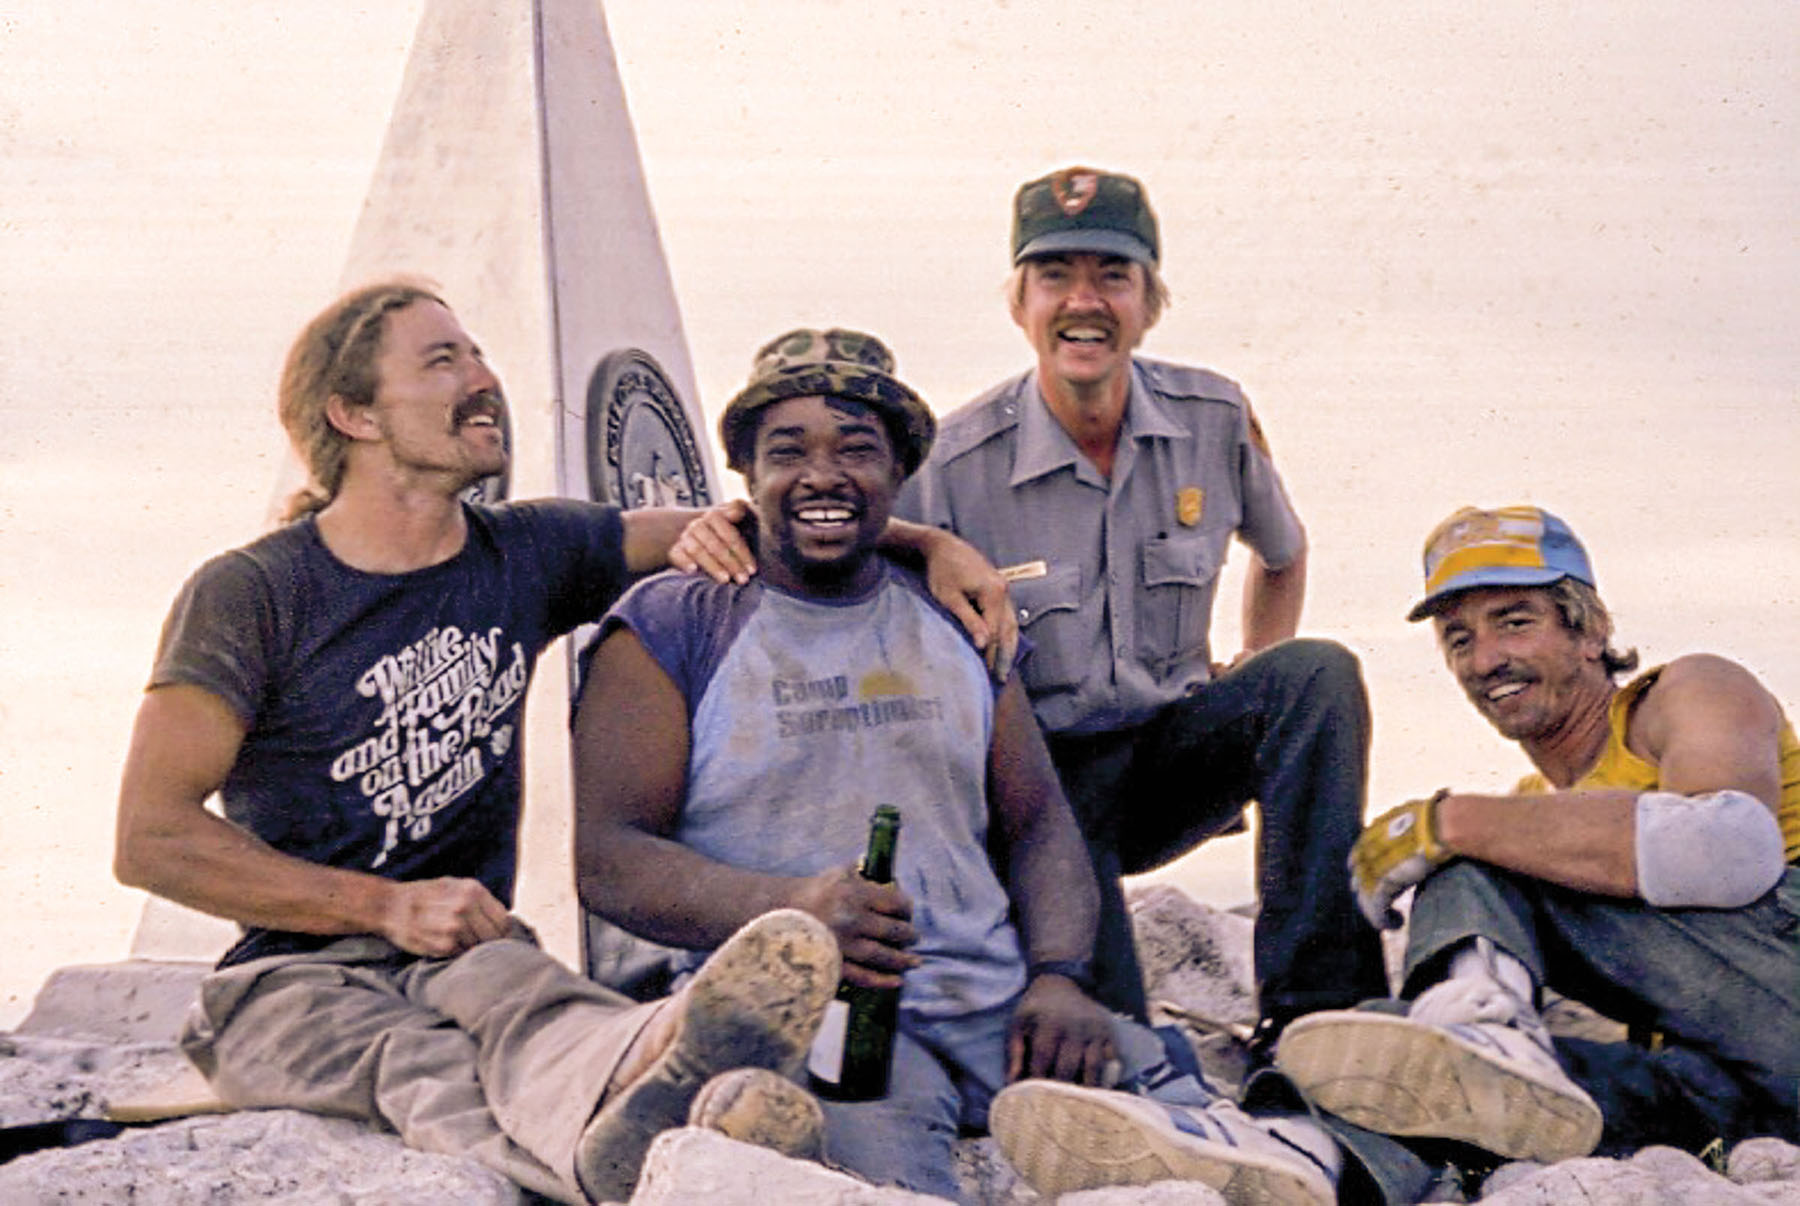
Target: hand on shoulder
x,y
713,544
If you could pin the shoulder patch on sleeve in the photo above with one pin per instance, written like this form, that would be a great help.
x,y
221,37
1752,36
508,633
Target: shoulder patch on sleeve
x,y
1256,432
1183,383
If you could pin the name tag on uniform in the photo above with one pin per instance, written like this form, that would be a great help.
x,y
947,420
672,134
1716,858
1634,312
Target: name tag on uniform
x,y
1024,570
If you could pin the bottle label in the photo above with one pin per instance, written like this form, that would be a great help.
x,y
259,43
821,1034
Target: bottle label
x,y
826,1060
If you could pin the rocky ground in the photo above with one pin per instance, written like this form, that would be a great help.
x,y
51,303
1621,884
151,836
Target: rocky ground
x,y
102,1035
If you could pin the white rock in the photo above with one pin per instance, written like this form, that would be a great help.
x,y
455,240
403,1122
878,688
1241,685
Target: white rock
x,y
1674,1179
1755,1161
1512,1173
1670,1163
986,1177
133,1001
253,1156
1194,956
693,1165
42,1079
1163,1193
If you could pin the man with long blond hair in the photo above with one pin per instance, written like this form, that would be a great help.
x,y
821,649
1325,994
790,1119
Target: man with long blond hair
x,y
335,355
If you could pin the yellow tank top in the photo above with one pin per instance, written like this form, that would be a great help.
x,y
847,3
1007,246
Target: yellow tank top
x,y
1619,767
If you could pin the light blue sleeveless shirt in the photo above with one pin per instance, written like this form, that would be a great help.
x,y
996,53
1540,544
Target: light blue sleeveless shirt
x,y
805,715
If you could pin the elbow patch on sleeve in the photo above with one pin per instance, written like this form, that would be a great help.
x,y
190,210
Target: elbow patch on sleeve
x,y
1718,850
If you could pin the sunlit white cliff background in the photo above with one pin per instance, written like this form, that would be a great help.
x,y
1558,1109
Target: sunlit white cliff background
x,y
1495,253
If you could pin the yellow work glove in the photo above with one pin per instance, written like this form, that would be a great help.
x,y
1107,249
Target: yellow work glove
x,y
1397,850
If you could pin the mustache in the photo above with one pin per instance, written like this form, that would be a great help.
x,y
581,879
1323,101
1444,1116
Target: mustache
x,y
845,497
487,402
1501,675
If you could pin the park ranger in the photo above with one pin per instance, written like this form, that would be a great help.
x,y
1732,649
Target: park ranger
x,y
1106,487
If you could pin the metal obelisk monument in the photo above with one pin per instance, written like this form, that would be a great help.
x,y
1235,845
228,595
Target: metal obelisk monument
x,y
510,178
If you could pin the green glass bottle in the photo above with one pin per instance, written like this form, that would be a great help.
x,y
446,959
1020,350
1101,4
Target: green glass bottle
x,y
855,1049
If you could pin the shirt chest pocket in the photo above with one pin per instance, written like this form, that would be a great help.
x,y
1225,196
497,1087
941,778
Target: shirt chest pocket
x,y
1050,617
1174,608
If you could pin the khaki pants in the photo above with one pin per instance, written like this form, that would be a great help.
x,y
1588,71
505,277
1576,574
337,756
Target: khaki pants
x,y
501,1053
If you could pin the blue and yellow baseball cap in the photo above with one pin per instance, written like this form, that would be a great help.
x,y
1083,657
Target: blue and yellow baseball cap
x,y
1509,546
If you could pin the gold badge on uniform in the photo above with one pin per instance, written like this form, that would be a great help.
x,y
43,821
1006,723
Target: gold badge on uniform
x,y
1190,501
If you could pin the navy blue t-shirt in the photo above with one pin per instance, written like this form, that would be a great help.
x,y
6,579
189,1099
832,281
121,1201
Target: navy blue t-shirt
x,y
385,711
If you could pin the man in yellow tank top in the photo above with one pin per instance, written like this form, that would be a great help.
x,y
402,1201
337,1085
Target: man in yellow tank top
x,y
1647,868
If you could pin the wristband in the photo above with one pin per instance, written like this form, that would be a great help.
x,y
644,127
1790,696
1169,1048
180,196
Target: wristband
x,y
1081,971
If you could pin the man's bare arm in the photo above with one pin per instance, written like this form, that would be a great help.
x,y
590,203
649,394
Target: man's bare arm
x,y
1707,725
184,743
1273,599
656,537
631,754
1581,840
1057,1030
1047,868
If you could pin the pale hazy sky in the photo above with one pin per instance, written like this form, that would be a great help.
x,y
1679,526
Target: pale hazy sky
x,y
1456,253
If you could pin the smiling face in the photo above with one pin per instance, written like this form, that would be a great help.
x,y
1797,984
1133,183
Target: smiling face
x,y
823,480
1521,667
437,407
1084,315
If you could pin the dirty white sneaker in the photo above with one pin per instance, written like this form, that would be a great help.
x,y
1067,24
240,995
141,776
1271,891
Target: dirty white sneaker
x,y
1062,1138
754,1105
755,1003
1485,1083
1484,984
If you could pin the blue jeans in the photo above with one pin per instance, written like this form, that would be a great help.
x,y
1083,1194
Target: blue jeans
x,y
1721,985
1289,729
945,1075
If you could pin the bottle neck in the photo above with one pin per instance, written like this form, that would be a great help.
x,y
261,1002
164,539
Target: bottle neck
x,y
884,837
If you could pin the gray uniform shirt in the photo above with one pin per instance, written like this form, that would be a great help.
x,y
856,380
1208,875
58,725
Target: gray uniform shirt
x,y
1113,580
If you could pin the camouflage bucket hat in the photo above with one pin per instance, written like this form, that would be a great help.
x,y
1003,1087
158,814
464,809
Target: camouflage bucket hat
x,y
837,364
1084,209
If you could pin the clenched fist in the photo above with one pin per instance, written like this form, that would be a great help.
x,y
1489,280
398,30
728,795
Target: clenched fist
x,y
442,917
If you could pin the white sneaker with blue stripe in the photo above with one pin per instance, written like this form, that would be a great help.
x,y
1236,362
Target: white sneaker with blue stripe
x,y
1470,1061
1484,1083
1063,1138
